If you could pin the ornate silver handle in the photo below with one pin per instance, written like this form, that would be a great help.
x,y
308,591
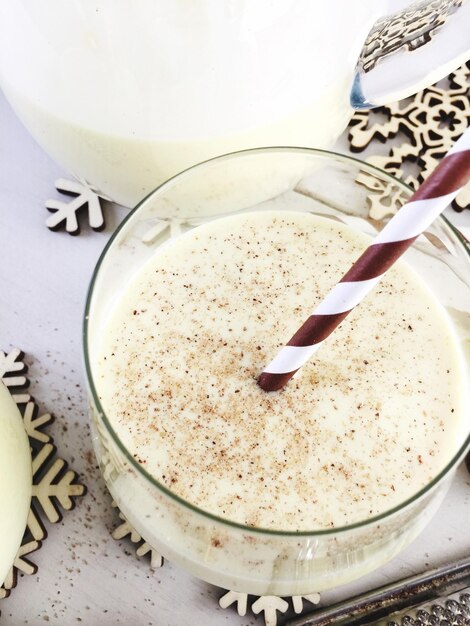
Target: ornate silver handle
x,y
399,603
410,50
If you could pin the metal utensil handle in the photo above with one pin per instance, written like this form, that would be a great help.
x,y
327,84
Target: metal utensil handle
x,y
383,601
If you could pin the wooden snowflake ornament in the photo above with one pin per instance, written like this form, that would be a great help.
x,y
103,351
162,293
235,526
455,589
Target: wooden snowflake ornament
x,y
426,126
126,530
34,424
66,213
13,374
55,487
235,597
270,606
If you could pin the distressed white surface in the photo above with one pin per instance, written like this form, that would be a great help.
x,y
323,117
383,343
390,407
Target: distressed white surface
x,y
84,573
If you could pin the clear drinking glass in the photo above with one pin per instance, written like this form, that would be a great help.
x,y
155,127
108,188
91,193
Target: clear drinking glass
x,y
228,554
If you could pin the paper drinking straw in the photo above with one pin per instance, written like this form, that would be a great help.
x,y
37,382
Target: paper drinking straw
x,y
433,196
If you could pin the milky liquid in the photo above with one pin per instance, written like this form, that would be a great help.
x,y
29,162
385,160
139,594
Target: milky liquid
x,y
15,480
369,421
127,94
126,168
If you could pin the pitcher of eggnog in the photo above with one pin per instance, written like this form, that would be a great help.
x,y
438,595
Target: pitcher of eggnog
x,y
125,94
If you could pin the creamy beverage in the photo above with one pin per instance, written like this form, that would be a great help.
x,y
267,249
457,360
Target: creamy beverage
x,y
15,480
126,166
125,95
368,422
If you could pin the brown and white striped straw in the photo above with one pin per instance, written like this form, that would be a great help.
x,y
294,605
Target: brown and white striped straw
x,y
433,196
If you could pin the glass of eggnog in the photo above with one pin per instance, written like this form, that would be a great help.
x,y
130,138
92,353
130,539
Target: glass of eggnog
x,y
306,488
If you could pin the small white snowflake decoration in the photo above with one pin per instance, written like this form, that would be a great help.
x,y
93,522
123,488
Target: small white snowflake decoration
x,y
270,606
65,213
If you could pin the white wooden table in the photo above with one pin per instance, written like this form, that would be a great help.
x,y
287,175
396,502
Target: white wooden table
x,y
84,575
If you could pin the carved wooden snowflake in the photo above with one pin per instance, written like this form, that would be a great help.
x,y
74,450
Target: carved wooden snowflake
x,y
270,606
427,124
34,424
66,213
165,228
111,461
126,530
54,485
161,227
13,374
20,564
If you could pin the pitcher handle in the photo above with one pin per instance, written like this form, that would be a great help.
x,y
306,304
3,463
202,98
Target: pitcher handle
x,y
412,49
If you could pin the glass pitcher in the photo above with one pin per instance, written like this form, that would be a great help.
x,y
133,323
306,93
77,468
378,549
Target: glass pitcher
x,y
125,94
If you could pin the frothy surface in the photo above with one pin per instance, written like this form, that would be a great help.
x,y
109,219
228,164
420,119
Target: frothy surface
x,y
367,422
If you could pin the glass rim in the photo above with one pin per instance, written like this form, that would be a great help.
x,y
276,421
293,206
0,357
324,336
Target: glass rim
x,y
328,155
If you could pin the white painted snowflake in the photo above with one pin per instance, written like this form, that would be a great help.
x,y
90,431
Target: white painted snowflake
x,y
65,213
270,606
